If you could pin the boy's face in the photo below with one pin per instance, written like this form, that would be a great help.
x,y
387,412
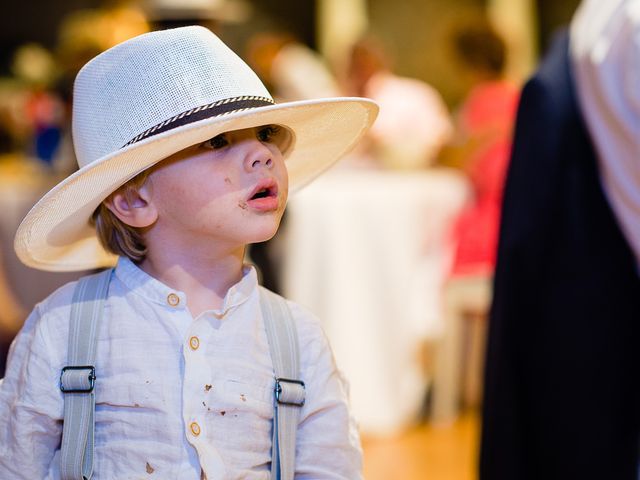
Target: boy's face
x,y
232,188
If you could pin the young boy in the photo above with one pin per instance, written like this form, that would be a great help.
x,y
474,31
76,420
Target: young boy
x,y
183,162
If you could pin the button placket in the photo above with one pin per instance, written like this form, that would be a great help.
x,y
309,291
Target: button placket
x,y
193,387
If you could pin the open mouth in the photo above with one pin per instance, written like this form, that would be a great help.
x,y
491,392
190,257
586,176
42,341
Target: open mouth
x,y
265,189
264,193
264,196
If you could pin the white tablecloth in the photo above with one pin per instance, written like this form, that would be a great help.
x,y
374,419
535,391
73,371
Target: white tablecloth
x,y
367,251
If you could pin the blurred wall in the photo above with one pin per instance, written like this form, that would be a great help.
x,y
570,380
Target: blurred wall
x,y
417,33
297,17
554,14
33,21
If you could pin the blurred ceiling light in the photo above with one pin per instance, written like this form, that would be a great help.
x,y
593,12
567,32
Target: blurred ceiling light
x,y
33,64
99,29
232,11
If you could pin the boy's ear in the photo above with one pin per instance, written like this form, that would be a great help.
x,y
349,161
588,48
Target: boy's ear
x,y
134,208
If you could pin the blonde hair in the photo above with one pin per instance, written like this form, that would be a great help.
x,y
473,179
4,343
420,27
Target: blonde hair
x,y
116,236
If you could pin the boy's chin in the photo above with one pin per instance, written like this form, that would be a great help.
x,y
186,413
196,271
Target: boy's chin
x,y
265,232
264,238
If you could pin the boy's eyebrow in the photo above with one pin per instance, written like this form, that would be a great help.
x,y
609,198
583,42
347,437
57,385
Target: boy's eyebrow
x,y
214,109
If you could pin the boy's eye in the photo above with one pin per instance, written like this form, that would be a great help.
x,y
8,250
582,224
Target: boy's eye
x,y
219,141
268,133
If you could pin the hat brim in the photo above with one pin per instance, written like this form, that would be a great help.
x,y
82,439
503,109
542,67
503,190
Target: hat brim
x,y
56,234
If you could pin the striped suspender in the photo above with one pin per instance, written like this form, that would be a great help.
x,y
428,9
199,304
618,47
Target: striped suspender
x,y
290,392
78,377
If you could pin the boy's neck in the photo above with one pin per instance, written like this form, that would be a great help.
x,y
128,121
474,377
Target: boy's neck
x,y
205,280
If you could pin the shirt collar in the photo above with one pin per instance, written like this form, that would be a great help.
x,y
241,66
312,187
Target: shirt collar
x,y
141,283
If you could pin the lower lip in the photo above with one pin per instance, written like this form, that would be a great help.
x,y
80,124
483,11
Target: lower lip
x,y
267,204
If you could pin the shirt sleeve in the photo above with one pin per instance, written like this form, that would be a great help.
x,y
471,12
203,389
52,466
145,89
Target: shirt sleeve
x,y
327,442
30,404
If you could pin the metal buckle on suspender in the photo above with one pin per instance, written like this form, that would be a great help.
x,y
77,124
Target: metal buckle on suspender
x,y
292,396
64,386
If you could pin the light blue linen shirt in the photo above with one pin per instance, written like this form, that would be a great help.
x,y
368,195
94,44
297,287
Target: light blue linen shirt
x,y
176,397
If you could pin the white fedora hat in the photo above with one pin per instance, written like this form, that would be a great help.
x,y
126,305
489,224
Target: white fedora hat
x,y
152,96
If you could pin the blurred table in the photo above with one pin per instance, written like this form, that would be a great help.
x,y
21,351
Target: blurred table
x,y
368,251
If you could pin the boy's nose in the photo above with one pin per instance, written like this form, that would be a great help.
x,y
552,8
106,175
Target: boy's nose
x,y
257,156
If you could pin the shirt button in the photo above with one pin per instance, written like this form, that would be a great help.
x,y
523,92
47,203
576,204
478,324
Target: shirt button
x,y
173,299
194,343
195,429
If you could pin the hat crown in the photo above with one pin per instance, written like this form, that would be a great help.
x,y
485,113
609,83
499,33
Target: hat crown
x,y
150,79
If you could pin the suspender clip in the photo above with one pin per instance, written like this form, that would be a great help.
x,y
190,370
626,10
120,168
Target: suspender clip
x,y
78,379
290,392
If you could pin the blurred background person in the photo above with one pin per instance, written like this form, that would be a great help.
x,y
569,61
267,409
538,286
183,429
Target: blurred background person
x,y
35,69
562,397
367,247
414,122
481,149
292,69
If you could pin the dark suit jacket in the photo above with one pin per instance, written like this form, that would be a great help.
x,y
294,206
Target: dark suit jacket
x,y
562,386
